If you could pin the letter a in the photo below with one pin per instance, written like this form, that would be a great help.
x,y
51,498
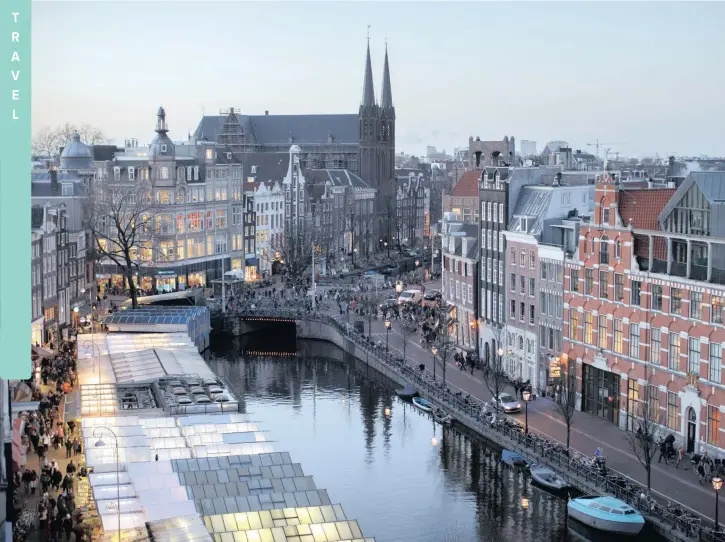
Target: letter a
x,y
15,58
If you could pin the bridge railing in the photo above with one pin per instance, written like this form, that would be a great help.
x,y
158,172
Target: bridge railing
x,y
577,468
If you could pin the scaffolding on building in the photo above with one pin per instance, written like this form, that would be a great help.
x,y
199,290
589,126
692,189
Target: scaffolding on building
x,y
231,135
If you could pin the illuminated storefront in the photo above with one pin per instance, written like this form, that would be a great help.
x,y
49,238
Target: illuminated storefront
x,y
165,281
236,263
197,280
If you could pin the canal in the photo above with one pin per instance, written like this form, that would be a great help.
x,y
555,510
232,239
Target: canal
x,y
405,478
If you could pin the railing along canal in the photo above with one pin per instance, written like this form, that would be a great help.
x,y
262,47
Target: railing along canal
x,y
577,468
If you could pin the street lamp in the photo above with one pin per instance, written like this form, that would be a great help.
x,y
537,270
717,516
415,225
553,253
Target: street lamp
x,y
435,351
524,503
387,412
717,486
434,441
388,323
100,444
527,397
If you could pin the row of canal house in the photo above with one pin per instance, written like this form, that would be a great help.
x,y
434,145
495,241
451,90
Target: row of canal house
x,y
644,293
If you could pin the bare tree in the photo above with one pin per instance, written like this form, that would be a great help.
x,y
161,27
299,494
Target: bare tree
x,y
565,404
494,375
443,342
369,305
294,251
48,141
407,329
121,224
647,431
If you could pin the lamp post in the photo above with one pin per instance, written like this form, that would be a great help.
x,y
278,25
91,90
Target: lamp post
x,y
527,396
434,350
99,444
717,486
387,334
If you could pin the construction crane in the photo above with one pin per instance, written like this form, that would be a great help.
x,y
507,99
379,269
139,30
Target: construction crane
x,y
599,144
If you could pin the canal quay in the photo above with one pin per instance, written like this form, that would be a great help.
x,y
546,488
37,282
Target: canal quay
x,y
326,328
174,454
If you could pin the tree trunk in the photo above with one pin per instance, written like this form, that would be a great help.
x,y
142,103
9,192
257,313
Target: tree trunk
x,y
649,476
568,434
405,341
132,289
129,277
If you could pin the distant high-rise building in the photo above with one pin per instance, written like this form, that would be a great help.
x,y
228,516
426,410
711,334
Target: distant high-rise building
x,y
528,148
430,151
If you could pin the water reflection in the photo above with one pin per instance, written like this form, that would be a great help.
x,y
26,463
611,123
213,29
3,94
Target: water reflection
x,y
376,455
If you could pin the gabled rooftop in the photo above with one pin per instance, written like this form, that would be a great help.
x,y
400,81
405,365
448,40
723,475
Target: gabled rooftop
x,y
467,185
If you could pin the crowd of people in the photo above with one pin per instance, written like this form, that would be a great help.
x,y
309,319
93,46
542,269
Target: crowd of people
x,y
46,436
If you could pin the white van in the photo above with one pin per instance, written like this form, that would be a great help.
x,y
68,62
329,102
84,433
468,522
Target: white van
x,y
410,296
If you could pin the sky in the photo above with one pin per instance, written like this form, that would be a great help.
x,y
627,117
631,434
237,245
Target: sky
x,y
642,78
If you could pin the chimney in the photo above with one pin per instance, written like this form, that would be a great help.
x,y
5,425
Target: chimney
x,y
53,181
671,184
649,183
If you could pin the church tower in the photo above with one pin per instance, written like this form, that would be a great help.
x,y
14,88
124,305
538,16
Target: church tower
x,y
387,129
369,121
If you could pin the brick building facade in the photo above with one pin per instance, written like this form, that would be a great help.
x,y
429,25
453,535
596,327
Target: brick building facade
x,y
643,308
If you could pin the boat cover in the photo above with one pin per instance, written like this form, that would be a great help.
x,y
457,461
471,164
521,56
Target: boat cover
x,y
408,390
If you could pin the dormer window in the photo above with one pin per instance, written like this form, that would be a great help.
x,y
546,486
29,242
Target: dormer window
x,y
67,189
253,170
524,224
131,174
163,147
229,156
196,173
210,154
116,173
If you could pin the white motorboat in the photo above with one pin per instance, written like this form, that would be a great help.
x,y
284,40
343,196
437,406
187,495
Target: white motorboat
x,y
606,514
422,404
546,477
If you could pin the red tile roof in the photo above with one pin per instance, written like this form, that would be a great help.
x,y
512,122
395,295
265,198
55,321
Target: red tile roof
x,y
467,186
643,207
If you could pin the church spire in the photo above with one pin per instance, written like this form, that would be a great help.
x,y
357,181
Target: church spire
x,y
368,98
387,95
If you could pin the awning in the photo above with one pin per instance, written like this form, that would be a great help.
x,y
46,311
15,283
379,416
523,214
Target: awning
x,y
42,352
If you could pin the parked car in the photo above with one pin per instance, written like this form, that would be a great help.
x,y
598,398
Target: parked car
x,y
432,298
506,402
410,296
388,304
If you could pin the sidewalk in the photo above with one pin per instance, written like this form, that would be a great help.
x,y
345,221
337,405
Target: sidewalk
x,y
587,434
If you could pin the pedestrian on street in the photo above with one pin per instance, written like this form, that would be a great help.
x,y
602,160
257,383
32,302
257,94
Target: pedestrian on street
x,y
68,445
663,453
680,456
701,470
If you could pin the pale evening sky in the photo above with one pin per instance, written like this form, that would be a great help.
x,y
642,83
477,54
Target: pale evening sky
x,y
647,76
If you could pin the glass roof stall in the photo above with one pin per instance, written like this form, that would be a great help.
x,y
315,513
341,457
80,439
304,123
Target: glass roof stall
x,y
194,321
180,529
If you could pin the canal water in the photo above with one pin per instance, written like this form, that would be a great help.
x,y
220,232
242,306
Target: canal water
x,y
403,477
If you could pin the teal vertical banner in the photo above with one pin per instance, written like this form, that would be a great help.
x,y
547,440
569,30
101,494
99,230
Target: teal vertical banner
x,y
15,167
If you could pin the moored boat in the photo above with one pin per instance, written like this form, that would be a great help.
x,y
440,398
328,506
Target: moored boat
x,y
422,404
546,477
441,417
407,393
513,459
606,514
